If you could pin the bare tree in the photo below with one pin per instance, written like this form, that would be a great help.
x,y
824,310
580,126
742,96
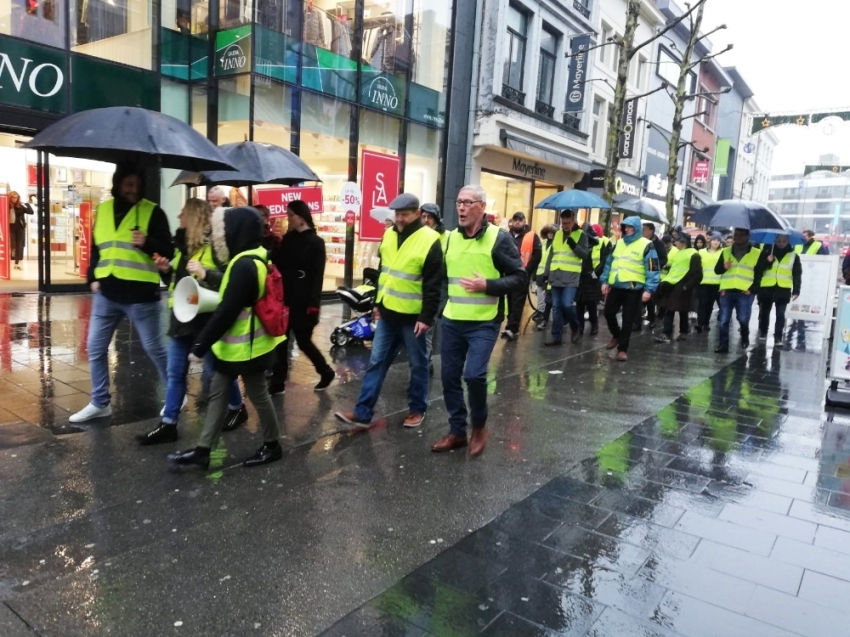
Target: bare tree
x,y
682,95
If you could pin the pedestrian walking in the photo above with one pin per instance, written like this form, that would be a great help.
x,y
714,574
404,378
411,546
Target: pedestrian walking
x,y
18,211
740,268
675,294
197,257
780,284
544,290
811,246
433,218
241,345
700,242
589,287
708,292
217,197
128,231
301,261
563,271
407,302
630,277
530,253
648,230
482,266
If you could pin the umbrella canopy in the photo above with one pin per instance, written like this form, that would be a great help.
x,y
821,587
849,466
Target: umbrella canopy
x,y
256,163
382,214
768,236
123,133
572,199
643,208
736,213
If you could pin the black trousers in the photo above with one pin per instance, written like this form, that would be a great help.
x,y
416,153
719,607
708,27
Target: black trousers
x,y
707,296
303,335
592,313
668,322
516,304
629,301
18,235
765,306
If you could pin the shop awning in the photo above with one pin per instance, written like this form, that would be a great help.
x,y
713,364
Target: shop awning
x,y
698,200
543,152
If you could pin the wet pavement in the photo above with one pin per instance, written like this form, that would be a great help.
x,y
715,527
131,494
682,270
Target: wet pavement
x,y
679,494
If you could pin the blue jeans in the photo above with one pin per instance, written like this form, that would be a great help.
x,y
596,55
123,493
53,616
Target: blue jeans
x,y
105,316
743,306
389,337
466,347
178,368
563,309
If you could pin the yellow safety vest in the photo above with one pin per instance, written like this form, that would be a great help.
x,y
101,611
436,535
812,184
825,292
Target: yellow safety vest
x,y
563,257
400,283
679,266
444,238
812,249
463,257
709,262
118,256
547,248
247,338
627,265
781,273
742,274
204,256
596,251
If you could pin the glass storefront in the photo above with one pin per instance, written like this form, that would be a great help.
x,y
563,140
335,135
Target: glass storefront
x,y
507,195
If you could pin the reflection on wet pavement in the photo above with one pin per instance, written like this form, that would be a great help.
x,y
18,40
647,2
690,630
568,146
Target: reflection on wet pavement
x,y
680,494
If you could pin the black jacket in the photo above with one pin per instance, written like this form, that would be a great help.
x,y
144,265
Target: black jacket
x,y
660,250
158,242
776,293
536,250
20,214
300,257
720,269
243,231
507,262
432,271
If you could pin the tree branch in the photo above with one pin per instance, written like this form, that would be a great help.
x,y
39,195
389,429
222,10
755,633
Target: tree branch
x,y
712,32
723,91
670,25
648,93
682,145
695,115
709,57
592,48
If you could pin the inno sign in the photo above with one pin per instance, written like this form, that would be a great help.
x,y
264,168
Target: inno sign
x,y
32,76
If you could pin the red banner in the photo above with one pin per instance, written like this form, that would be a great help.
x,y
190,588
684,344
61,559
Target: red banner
x,y
381,176
85,238
700,173
5,239
277,198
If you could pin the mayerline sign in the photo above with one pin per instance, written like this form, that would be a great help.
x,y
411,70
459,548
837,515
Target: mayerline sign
x,y
32,76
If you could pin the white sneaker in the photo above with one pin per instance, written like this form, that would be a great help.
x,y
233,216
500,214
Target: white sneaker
x,y
90,412
185,402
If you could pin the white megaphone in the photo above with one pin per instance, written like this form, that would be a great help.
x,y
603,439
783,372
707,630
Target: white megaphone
x,y
190,299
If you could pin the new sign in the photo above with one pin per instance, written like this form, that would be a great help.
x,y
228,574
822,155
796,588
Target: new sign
x,y
277,198
233,51
32,76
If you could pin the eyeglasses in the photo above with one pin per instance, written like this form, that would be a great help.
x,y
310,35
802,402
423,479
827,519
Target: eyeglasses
x,y
465,203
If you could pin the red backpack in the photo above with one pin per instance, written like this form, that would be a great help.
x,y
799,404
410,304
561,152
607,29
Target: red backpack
x,y
270,309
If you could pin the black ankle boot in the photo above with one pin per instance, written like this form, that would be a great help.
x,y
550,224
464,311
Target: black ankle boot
x,y
235,417
265,454
196,458
164,433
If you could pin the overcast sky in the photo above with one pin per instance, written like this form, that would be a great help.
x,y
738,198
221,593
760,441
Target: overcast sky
x,y
791,55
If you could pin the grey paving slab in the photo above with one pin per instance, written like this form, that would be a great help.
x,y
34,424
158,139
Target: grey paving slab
x,y
728,533
13,626
812,558
775,523
749,566
825,591
833,539
793,613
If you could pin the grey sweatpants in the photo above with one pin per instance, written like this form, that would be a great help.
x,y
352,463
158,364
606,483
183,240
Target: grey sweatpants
x,y
257,390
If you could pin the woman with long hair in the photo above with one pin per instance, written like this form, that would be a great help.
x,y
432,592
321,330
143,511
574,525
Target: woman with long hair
x,y
708,291
196,256
18,225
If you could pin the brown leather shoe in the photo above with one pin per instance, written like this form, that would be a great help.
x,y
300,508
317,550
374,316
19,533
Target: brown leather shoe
x,y
449,442
622,357
413,420
478,441
612,343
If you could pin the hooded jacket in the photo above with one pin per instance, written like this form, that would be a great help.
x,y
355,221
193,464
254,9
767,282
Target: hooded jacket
x,y
650,260
233,231
536,250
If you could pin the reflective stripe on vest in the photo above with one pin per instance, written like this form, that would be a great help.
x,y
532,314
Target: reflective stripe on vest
x,y
679,266
742,274
812,249
596,253
240,343
463,257
118,256
563,257
627,265
781,273
400,282
547,248
203,256
709,262
527,248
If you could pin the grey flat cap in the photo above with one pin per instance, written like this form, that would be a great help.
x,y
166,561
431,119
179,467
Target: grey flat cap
x,y
405,201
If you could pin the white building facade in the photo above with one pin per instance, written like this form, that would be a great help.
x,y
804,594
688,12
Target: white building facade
x,y
755,158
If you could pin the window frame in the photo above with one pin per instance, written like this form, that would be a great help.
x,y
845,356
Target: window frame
x,y
515,36
552,58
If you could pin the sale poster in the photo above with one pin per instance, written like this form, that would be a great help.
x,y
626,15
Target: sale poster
x,y
85,238
277,198
381,176
5,247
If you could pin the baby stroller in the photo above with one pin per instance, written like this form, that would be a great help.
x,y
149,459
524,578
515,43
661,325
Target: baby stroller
x,y
361,299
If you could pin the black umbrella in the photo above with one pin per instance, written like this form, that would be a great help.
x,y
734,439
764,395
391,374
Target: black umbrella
x,y
123,133
642,208
737,213
256,164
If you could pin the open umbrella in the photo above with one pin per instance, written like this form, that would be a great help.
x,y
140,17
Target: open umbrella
x,y
768,237
736,213
124,133
572,199
256,163
643,208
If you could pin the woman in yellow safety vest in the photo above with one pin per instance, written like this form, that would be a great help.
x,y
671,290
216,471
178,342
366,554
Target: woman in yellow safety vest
x,y
195,256
780,284
544,305
677,287
708,292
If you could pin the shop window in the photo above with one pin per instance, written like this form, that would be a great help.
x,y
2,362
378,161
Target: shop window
x,y
422,165
116,30
505,196
546,75
386,58
176,101
41,21
597,134
706,109
199,109
234,109
327,32
512,78
272,113
431,42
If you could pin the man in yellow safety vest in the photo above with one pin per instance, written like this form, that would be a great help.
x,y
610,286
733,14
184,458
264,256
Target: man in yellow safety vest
x,y
563,272
780,284
407,302
530,252
740,268
811,246
128,231
482,266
